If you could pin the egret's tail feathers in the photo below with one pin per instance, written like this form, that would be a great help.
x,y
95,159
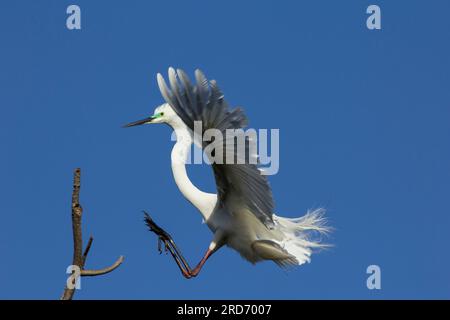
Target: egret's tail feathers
x,y
302,235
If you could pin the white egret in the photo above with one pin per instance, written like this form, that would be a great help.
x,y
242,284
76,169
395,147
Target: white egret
x,y
241,214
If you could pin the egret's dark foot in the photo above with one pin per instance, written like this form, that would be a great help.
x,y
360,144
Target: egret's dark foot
x,y
170,246
163,236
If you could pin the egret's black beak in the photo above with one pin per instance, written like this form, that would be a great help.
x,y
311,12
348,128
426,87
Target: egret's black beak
x,y
139,122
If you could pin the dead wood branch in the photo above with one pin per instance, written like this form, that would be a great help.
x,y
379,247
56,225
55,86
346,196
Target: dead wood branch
x,y
79,258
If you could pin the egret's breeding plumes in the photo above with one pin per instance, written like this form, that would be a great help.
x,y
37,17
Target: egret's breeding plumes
x,y
241,214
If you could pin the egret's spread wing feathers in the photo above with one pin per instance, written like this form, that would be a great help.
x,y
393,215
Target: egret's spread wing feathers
x,y
205,102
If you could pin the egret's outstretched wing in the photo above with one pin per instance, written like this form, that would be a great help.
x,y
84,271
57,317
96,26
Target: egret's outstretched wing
x,y
205,102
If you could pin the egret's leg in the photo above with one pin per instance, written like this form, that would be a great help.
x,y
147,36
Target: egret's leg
x,y
175,252
186,271
196,271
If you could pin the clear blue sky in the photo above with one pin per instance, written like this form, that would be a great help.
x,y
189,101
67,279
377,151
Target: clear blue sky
x,y
364,129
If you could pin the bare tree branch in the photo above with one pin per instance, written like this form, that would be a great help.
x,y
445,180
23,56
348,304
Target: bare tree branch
x,y
91,273
88,247
79,258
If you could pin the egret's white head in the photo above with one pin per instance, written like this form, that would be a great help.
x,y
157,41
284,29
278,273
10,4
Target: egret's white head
x,y
162,114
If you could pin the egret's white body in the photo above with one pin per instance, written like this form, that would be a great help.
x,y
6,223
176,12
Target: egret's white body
x,y
240,214
233,224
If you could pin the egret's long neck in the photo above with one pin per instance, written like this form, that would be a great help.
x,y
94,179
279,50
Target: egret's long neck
x,y
203,201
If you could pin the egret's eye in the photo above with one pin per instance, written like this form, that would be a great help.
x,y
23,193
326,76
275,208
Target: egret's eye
x,y
161,114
